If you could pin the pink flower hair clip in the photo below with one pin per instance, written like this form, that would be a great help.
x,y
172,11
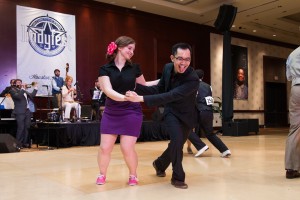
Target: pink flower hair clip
x,y
111,48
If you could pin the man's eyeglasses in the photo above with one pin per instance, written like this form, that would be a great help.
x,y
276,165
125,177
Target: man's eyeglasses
x,y
183,59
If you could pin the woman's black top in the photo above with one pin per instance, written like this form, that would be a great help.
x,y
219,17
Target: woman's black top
x,y
123,80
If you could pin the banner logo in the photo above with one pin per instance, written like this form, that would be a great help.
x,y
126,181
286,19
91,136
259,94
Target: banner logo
x,y
47,36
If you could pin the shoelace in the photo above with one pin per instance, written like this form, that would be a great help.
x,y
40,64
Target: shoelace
x,y
101,176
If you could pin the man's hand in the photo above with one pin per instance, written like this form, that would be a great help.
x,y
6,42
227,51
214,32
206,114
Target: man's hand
x,y
71,90
133,97
35,86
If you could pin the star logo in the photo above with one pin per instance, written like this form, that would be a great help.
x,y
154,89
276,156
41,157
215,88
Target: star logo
x,y
47,36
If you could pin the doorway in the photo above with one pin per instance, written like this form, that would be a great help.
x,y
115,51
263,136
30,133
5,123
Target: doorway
x,y
276,112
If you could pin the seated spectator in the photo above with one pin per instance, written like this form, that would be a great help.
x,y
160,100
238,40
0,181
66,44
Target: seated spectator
x,y
98,100
68,102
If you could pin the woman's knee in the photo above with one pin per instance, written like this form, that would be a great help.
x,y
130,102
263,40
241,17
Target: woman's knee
x,y
126,149
106,148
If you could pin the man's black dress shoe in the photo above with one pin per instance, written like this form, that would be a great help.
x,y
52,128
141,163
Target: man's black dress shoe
x,y
26,146
179,184
159,173
290,174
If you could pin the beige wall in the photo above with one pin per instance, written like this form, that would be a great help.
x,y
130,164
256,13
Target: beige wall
x,y
256,51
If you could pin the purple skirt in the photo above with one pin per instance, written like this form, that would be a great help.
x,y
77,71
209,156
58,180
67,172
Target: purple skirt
x,y
121,118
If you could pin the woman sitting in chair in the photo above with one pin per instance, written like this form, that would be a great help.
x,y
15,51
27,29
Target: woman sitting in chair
x,y
68,102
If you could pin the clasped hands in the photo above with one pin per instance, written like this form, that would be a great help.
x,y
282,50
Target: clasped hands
x,y
133,97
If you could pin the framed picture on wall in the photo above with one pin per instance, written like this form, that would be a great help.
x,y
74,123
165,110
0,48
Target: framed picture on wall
x,y
239,59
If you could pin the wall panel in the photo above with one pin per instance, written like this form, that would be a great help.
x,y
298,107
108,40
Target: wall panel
x,y
98,24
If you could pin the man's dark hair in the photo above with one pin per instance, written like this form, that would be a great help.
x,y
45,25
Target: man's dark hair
x,y
180,46
200,73
56,70
15,82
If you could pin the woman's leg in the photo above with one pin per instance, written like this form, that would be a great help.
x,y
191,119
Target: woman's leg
x,y
104,153
129,153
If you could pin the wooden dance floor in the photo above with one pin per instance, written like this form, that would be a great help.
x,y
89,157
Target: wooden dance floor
x,y
255,171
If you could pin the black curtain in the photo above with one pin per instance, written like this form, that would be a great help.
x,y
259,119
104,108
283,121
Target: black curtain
x,y
227,86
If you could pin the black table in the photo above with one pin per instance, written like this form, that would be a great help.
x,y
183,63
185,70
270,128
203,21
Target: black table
x,y
61,134
66,134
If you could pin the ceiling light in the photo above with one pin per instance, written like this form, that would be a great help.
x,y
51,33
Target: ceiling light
x,y
254,31
274,35
134,7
